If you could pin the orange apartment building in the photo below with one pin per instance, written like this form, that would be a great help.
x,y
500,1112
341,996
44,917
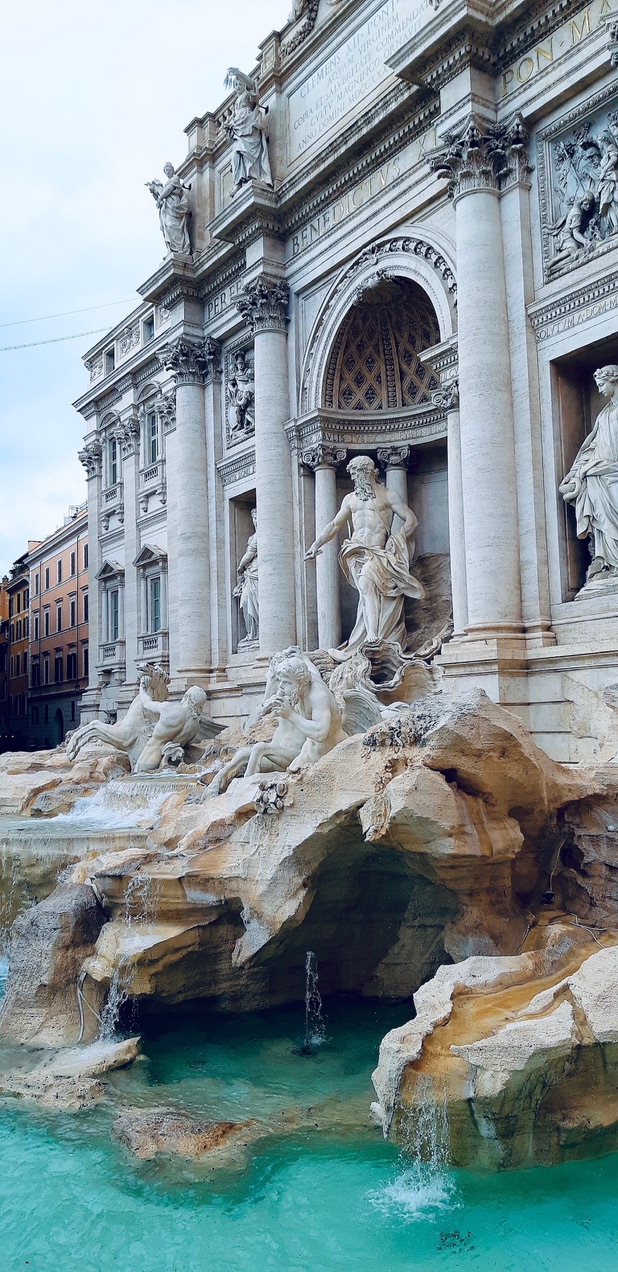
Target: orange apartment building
x,y
58,578
18,592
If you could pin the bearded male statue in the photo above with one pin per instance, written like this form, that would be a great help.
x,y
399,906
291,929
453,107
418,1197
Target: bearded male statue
x,y
375,559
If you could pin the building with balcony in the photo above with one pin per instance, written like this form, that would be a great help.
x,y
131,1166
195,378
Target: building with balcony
x,y
58,573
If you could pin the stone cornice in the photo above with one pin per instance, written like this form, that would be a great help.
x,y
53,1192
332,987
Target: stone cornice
x,y
264,305
237,467
364,430
589,300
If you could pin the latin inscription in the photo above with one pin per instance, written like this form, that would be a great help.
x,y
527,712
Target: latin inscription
x,y
594,310
566,37
355,198
223,299
352,72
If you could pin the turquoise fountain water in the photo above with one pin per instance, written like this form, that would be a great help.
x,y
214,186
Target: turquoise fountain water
x,y
321,1192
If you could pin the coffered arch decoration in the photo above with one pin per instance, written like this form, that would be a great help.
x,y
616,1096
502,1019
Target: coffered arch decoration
x,y
374,363
423,273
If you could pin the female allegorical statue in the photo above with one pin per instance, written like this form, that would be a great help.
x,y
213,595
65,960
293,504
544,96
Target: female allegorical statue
x,y
172,200
592,482
248,131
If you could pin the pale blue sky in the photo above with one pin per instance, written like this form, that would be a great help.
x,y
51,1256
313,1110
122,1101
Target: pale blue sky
x,y
93,101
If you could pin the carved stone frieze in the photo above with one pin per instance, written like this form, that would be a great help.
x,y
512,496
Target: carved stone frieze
x,y
91,458
304,12
323,456
264,304
483,156
128,340
95,368
239,393
238,468
578,184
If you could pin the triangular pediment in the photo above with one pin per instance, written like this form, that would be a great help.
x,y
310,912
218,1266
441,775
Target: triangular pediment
x,y
111,570
150,555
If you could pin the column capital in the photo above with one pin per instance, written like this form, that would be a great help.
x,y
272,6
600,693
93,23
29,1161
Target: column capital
x,y
166,408
187,359
483,156
394,456
127,433
264,304
322,456
212,353
447,397
91,458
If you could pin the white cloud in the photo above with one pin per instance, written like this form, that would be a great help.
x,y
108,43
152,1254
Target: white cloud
x,y
93,101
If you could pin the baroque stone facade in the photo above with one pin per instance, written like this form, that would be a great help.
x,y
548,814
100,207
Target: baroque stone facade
x,y
403,244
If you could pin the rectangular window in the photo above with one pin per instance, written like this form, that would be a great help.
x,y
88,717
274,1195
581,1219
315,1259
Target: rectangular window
x,y
58,669
112,474
18,665
36,585
110,361
26,598
35,624
72,612
25,664
148,329
12,667
26,628
72,564
152,438
19,602
35,715
71,666
12,636
85,661
18,629
85,606
113,615
46,622
85,556
35,674
59,618
155,605
46,671
11,606
47,578
59,571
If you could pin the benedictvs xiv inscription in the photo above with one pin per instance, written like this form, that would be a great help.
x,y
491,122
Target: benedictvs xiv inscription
x,y
352,72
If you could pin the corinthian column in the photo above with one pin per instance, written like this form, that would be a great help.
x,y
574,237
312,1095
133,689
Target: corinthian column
x,y
477,162
264,305
188,504
395,461
323,460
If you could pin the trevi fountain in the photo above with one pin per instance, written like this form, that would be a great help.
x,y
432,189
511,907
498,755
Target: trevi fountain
x,y
310,928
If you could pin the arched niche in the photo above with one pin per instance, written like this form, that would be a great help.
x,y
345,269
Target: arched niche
x,y
374,363
401,261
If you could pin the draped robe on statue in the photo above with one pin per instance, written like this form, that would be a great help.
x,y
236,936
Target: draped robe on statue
x,y
388,568
592,486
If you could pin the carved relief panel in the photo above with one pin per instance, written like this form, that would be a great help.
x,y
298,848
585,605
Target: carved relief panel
x,y
239,390
578,185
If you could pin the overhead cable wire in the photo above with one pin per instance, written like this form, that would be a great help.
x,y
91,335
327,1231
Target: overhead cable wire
x,y
67,312
55,340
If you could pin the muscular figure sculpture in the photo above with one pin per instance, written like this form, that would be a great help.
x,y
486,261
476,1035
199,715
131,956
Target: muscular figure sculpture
x,y
309,722
375,559
592,482
178,722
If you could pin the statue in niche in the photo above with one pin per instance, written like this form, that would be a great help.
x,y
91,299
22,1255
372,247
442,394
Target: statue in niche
x,y
375,559
309,722
172,200
246,589
592,482
248,131
571,232
241,398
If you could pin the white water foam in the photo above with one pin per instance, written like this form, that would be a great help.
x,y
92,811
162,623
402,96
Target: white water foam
x,y
423,1185
113,809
